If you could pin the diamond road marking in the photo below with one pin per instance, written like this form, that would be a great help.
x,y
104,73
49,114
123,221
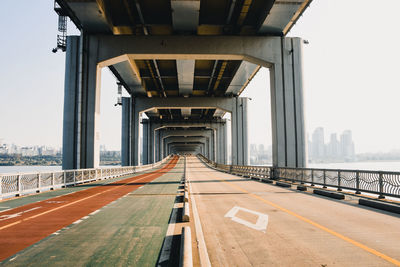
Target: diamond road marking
x,y
10,216
260,225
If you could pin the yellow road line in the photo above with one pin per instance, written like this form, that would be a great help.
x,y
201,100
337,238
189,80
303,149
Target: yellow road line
x,y
345,238
66,205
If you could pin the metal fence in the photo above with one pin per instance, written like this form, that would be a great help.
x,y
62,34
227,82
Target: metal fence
x,y
381,183
18,184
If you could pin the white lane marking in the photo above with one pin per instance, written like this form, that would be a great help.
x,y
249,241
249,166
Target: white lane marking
x,y
55,202
260,225
10,216
94,212
78,221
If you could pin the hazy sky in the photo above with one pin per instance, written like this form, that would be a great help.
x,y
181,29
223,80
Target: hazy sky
x,y
351,76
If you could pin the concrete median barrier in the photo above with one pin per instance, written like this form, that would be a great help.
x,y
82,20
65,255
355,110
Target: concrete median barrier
x,y
186,212
282,184
380,205
302,187
186,248
328,194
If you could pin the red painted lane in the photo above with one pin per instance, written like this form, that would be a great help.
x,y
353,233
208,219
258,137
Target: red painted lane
x,y
26,225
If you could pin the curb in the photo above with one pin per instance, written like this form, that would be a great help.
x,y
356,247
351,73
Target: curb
x,y
268,181
328,194
379,205
186,213
186,248
283,184
302,187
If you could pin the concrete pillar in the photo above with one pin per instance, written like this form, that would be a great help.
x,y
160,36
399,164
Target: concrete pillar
x,y
240,148
146,142
71,92
126,132
157,144
135,121
288,137
81,104
224,143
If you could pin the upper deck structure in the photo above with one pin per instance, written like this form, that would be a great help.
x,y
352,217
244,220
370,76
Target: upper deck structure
x,y
165,53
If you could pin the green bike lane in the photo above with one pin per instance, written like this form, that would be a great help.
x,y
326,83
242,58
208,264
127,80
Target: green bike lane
x,y
127,232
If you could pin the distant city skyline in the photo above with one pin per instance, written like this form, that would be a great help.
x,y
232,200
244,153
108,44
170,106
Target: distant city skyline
x,y
342,149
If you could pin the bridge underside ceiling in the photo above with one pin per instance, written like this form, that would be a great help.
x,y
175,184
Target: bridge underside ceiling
x,y
165,78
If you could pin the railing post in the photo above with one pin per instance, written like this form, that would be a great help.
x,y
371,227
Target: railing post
x,y
19,185
101,173
381,196
65,179
75,177
312,177
39,183
324,179
302,176
339,182
358,182
52,179
1,187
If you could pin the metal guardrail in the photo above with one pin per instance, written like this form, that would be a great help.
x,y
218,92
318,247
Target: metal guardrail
x,y
382,183
18,184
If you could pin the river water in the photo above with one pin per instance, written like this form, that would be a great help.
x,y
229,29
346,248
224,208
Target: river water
x,y
368,165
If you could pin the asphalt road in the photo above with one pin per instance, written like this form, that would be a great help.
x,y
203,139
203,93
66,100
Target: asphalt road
x,y
248,223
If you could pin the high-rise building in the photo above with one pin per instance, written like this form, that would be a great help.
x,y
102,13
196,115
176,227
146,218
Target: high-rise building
x,y
333,148
318,144
347,145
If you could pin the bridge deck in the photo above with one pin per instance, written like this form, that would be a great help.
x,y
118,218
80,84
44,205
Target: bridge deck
x,y
128,230
302,229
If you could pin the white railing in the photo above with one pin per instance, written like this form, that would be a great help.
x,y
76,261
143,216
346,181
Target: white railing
x,y
17,184
381,183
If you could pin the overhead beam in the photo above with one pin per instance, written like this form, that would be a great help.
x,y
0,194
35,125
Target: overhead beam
x,y
185,69
244,75
260,50
186,112
185,18
276,22
219,113
185,15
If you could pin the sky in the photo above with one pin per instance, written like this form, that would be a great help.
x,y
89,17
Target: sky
x,y
350,76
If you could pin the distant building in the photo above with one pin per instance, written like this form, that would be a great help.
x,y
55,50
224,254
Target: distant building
x,y
335,150
318,144
29,151
259,155
3,149
347,145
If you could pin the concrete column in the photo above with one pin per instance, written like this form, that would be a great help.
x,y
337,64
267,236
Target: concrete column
x,y
157,144
71,93
81,104
240,152
146,141
288,137
126,131
135,121
224,143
